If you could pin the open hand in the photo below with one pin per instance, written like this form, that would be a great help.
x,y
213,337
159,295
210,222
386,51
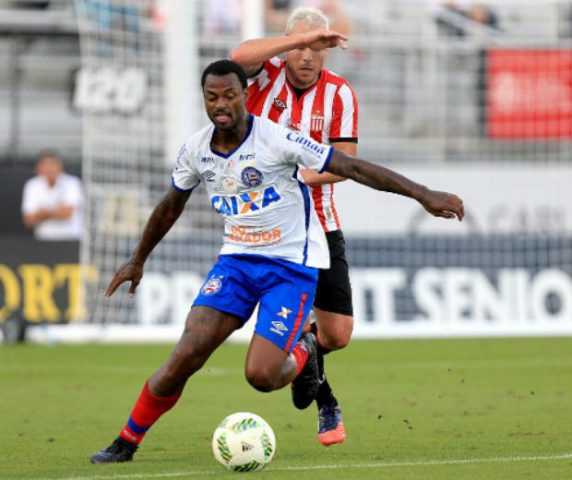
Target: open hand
x,y
128,271
320,39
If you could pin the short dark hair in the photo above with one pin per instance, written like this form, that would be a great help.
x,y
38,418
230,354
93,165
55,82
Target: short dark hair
x,y
224,67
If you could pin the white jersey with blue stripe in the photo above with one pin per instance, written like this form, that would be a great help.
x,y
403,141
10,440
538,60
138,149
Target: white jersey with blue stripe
x,y
267,211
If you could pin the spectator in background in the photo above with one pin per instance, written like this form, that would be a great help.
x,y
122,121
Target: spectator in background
x,y
52,201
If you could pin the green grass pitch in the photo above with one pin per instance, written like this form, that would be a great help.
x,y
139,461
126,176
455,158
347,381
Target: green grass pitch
x,y
413,409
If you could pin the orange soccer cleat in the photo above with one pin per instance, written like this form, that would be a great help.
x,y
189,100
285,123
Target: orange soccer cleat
x,y
330,426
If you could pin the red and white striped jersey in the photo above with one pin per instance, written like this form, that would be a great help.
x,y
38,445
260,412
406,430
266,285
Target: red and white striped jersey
x,y
327,112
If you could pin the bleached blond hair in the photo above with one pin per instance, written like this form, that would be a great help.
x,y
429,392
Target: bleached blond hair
x,y
309,15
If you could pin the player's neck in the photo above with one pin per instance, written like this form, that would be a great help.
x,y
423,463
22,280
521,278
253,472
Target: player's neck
x,y
225,141
298,85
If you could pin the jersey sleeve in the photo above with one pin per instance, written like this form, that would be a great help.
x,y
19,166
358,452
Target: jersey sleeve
x,y
298,149
185,176
344,126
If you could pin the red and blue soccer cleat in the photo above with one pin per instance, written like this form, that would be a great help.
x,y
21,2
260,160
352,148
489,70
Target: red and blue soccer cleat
x,y
330,426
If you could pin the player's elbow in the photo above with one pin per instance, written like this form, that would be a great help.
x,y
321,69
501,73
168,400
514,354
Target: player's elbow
x,y
243,55
237,56
234,56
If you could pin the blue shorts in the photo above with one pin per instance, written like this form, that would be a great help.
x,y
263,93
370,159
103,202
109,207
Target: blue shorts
x,y
285,291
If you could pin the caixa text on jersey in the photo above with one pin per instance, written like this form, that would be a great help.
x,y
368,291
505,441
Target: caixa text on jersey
x,y
247,202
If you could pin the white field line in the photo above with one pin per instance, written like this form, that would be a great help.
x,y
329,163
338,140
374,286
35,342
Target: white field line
x,y
376,465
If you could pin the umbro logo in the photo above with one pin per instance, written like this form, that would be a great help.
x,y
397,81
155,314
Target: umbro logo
x,y
278,328
209,175
280,105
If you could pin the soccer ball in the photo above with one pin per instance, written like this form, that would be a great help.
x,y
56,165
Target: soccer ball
x,y
244,442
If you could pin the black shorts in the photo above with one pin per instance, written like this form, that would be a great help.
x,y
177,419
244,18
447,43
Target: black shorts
x,y
334,291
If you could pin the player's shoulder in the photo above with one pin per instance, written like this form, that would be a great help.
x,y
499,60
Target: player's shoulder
x,y
270,68
275,63
273,69
193,146
196,141
201,136
331,77
266,127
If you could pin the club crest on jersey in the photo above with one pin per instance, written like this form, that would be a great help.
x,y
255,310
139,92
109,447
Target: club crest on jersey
x,y
245,202
280,105
212,285
316,123
251,177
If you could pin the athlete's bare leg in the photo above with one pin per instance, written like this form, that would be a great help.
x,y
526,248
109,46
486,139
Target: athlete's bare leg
x,y
205,329
334,329
268,367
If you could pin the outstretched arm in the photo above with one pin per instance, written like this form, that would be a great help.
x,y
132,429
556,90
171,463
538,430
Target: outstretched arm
x,y
251,54
160,222
439,204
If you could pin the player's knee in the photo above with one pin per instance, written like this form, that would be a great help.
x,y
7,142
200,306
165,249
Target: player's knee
x,y
336,338
261,379
337,343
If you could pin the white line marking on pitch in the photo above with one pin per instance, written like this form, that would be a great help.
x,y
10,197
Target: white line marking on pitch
x,y
420,463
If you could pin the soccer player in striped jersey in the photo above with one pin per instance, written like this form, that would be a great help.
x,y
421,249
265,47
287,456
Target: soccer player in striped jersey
x,y
299,93
273,247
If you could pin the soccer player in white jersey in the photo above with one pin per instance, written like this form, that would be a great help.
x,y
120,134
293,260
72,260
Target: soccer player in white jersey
x,y
299,93
273,247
